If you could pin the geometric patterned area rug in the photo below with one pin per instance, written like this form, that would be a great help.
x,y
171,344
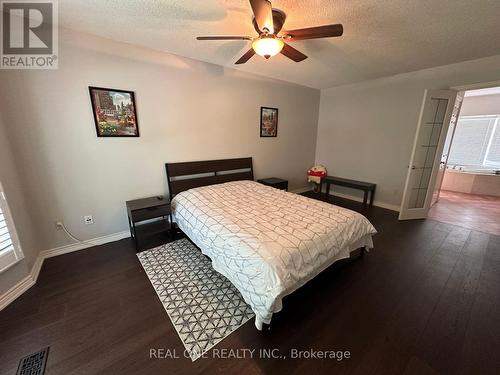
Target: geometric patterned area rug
x,y
203,305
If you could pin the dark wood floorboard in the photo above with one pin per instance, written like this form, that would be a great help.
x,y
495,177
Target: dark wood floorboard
x,y
426,300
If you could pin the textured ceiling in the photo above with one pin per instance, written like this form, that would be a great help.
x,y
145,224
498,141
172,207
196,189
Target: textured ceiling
x,y
381,37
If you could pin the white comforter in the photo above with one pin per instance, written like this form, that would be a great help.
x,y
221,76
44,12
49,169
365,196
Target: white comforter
x,y
267,242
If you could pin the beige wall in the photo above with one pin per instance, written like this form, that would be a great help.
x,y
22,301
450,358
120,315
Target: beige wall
x,y
366,130
187,110
21,215
481,105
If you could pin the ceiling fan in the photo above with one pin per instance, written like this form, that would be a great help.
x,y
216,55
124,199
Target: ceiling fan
x,y
268,22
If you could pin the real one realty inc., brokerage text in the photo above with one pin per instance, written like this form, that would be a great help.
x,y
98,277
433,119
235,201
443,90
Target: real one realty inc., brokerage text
x,y
338,355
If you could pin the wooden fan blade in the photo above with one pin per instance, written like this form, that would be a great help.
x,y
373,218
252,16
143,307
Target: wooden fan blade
x,y
263,12
327,31
223,38
247,56
292,53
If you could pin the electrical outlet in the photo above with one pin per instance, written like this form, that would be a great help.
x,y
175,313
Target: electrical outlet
x,y
88,220
59,225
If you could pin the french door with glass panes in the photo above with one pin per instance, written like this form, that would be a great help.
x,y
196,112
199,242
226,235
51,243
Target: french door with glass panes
x,y
432,128
447,147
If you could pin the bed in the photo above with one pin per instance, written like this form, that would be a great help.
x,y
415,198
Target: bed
x,y
266,241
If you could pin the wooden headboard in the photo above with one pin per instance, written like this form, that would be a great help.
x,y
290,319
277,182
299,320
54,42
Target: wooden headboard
x,y
188,175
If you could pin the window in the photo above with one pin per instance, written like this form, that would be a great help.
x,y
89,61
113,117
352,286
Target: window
x,y
476,143
10,251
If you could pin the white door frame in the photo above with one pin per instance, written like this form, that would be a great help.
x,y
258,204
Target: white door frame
x,y
405,212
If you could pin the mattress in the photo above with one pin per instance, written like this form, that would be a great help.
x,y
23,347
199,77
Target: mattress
x,y
268,242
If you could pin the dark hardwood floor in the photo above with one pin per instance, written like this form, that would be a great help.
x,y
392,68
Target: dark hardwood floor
x,y
426,300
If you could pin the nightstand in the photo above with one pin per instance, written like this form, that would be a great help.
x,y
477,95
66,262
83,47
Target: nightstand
x,y
274,182
146,209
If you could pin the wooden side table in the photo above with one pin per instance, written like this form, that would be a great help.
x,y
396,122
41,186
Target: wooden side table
x,y
274,182
146,209
366,187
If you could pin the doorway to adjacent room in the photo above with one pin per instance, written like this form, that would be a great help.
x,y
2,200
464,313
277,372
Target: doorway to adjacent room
x,y
454,172
468,181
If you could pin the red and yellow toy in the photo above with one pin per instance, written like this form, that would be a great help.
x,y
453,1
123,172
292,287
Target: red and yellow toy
x,y
315,173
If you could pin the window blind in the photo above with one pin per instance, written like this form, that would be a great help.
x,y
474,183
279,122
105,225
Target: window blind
x,y
476,143
10,250
493,157
5,237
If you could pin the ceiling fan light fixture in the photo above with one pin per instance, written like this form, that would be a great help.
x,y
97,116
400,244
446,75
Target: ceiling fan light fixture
x,y
267,46
268,22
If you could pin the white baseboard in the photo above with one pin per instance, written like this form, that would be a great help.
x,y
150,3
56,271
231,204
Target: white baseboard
x,y
37,266
22,286
49,253
387,206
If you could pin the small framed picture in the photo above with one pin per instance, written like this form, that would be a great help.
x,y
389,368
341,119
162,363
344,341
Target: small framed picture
x,y
268,122
114,112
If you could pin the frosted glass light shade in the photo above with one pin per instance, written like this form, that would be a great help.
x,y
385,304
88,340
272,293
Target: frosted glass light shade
x,y
267,47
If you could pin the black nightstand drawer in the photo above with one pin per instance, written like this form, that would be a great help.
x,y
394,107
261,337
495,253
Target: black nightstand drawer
x,y
150,213
145,209
274,182
281,186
